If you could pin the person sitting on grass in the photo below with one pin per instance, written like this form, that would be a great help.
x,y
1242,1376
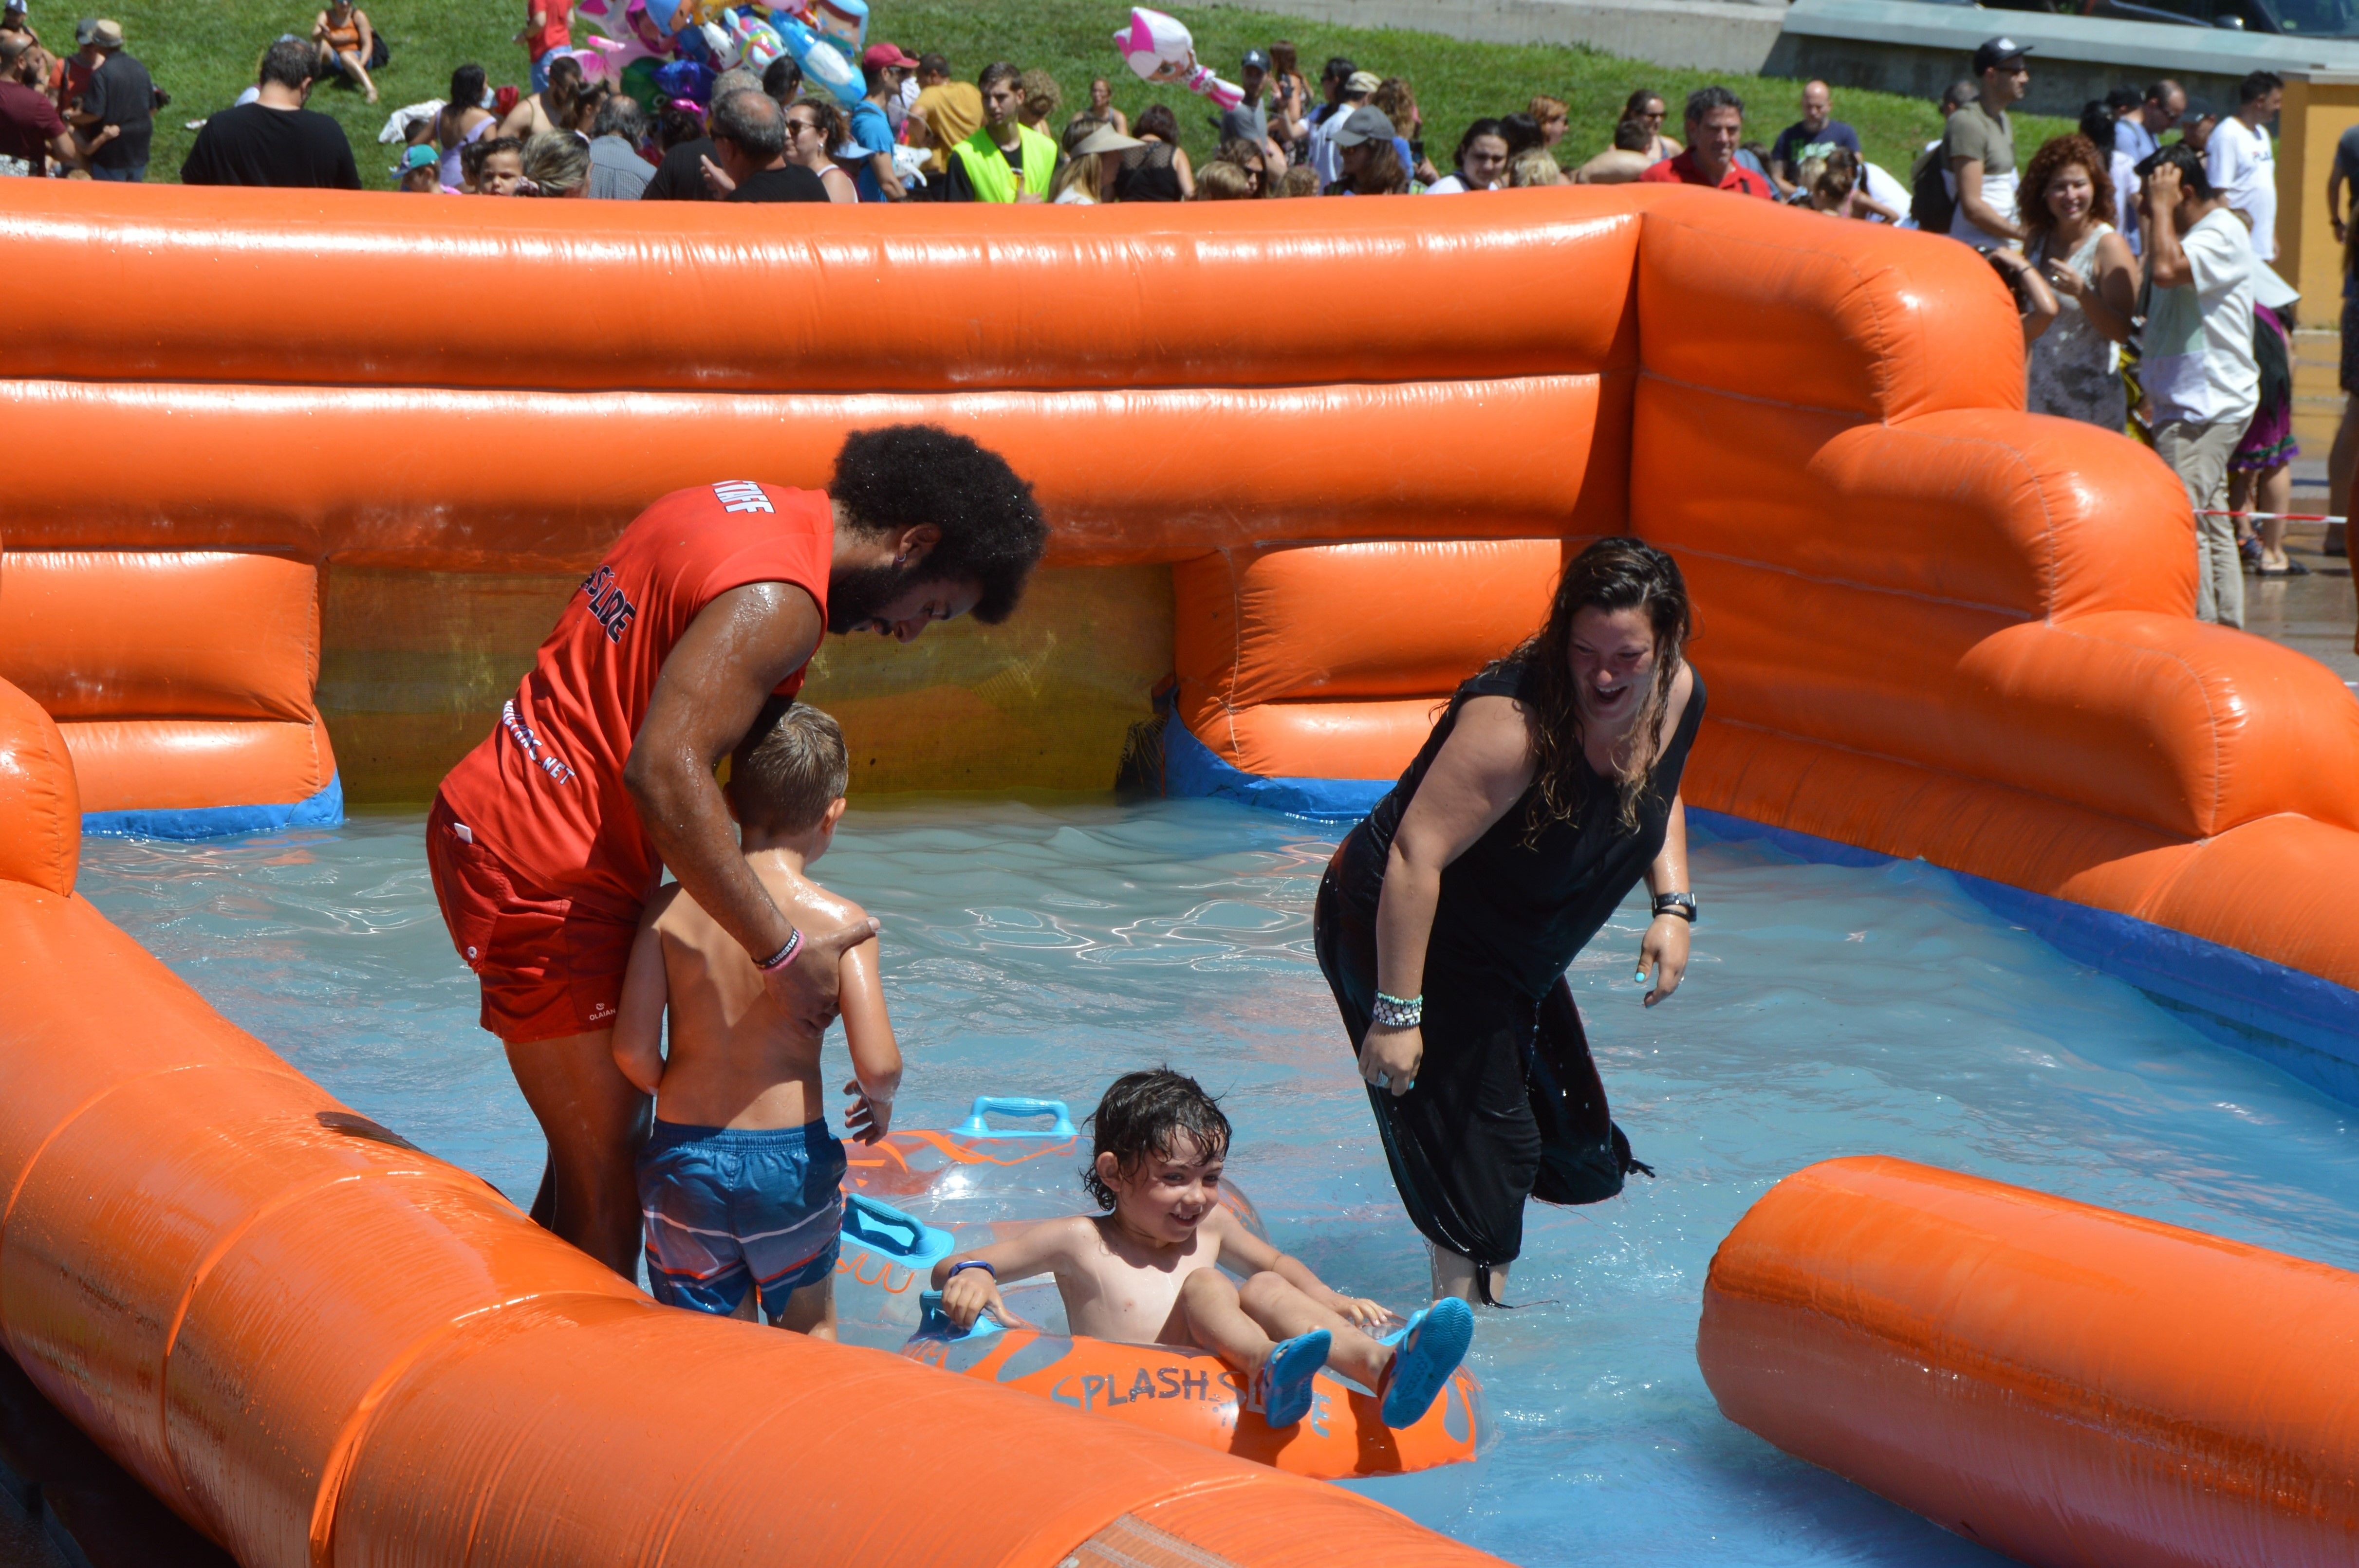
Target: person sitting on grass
x,y
739,1182
343,42
1148,1271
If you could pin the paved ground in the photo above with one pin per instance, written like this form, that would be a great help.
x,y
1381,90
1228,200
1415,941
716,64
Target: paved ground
x,y
2314,613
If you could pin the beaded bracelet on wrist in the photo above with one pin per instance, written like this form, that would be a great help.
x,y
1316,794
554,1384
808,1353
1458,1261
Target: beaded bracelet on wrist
x,y
1399,1011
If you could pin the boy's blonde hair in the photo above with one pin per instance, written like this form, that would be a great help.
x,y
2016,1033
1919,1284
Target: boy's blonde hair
x,y
790,767
1534,166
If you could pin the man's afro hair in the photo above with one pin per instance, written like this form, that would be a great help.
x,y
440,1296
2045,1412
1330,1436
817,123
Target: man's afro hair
x,y
906,475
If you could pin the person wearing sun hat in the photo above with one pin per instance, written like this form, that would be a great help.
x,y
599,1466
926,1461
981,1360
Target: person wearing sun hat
x,y
117,113
1091,154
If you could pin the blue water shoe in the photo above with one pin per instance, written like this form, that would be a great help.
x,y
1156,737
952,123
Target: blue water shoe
x,y
1429,1350
1282,1388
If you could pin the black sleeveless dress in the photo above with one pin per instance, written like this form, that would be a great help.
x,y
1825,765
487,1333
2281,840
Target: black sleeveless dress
x,y
1508,1104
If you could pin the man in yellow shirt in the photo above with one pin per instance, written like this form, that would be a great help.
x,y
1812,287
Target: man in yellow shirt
x,y
1006,160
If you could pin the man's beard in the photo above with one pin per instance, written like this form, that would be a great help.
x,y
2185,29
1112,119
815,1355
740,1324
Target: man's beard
x,y
856,596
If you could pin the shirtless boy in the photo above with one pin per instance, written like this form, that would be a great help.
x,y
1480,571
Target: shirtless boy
x,y
1149,1271
739,1181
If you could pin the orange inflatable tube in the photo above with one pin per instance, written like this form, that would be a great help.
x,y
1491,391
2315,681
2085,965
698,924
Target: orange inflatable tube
x,y
319,1346
1189,1395
2060,1383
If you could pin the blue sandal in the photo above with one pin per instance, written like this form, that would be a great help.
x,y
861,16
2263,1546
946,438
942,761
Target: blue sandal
x,y
1281,1389
1427,1351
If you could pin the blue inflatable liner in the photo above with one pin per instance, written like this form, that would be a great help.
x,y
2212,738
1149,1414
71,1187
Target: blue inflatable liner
x,y
2297,1022
325,810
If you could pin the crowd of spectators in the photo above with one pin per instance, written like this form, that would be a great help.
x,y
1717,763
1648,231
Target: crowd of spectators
x,y
2138,248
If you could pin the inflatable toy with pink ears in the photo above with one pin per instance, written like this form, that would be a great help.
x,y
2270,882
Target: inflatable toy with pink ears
x,y
1161,48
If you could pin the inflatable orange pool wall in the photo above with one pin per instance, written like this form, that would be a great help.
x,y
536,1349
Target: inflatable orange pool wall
x,y
320,1347
1933,625
2074,1388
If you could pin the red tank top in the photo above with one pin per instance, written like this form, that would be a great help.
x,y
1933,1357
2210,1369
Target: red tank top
x,y
545,790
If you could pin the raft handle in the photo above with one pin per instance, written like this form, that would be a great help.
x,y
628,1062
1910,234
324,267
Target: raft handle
x,y
975,1127
887,1232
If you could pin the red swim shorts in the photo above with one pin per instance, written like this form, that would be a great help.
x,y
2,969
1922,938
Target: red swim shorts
x,y
547,968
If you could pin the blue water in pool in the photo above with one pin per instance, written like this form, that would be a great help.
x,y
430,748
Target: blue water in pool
x,y
1039,948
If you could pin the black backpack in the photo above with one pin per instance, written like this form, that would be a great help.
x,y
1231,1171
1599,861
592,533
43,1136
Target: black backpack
x,y
1930,199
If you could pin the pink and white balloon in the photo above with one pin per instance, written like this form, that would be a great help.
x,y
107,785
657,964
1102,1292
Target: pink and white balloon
x,y
1161,48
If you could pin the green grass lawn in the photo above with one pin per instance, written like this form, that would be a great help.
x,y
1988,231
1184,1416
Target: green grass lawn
x,y
204,52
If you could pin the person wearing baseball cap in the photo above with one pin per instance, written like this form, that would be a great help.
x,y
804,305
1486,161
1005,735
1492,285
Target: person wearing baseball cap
x,y
886,66
1978,149
1353,91
116,115
1371,159
420,170
1250,118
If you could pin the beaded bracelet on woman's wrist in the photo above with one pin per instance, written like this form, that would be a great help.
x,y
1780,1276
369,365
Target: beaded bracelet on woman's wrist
x,y
1399,1011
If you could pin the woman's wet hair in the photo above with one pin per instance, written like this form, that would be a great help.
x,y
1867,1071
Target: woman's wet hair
x,y
1148,1113
1619,573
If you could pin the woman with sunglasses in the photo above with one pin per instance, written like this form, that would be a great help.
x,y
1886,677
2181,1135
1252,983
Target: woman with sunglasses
x,y
1648,108
1250,159
813,129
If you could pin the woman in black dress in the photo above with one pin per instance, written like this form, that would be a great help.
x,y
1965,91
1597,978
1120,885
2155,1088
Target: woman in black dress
x,y
1446,920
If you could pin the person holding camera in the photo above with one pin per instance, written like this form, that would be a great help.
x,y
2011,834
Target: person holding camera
x,y
2201,380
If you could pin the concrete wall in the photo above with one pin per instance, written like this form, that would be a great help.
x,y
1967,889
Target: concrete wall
x,y
1907,46
1893,45
1701,35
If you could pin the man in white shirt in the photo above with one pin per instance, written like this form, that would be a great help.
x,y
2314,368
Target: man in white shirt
x,y
2238,162
2201,380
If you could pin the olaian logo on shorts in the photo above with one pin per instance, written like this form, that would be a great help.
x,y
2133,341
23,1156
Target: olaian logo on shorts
x,y
741,496
601,1011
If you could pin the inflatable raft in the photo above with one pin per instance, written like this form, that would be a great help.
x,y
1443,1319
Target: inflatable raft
x,y
1189,1394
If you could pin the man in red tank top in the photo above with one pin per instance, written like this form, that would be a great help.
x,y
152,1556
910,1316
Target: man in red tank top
x,y
547,839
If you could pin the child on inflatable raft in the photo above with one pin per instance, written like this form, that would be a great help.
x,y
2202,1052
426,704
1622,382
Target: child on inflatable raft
x,y
1149,1270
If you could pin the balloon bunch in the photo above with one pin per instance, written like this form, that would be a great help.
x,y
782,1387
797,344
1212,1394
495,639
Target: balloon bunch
x,y
1161,48
643,43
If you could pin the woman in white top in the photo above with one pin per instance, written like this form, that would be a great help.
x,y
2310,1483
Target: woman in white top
x,y
814,128
2073,369
1482,161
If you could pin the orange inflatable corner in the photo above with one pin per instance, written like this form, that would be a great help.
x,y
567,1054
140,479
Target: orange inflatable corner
x,y
1855,318
185,764
40,803
134,633
2063,1384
